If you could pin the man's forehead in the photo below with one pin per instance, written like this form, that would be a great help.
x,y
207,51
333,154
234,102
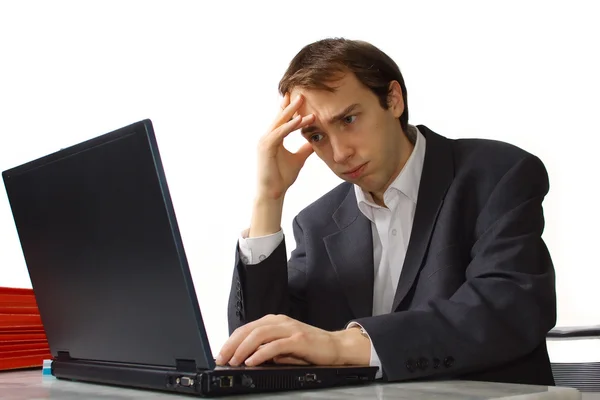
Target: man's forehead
x,y
336,84
344,82
323,101
323,107
312,93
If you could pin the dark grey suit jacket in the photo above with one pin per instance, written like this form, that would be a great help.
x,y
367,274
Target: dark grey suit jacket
x,y
476,296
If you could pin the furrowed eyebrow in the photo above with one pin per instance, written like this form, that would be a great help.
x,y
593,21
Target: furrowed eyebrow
x,y
337,117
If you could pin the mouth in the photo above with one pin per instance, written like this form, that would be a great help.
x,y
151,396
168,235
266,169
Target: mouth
x,y
356,172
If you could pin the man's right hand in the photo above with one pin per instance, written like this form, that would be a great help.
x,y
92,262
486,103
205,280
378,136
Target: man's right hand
x,y
278,168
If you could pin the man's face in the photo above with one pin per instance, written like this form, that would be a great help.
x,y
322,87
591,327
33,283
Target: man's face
x,y
360,141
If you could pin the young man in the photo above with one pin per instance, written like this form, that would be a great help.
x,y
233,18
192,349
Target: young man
x,y
427,262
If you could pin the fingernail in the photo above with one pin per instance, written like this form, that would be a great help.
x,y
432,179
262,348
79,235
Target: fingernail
x,y
298,97
249,361
219,359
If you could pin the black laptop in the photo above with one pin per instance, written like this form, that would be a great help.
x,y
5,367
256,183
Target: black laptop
x,y
107,264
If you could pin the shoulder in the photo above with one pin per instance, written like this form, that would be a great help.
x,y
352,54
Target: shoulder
x,y
496,176
479,159
493,160
481,167
487,151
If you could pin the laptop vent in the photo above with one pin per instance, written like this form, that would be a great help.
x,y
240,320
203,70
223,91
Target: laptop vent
x,y
277,382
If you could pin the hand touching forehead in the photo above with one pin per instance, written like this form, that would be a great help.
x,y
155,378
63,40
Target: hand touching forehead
x,y
325,105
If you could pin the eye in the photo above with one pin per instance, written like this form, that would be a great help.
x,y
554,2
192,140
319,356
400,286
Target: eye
x,y
349,119
317,137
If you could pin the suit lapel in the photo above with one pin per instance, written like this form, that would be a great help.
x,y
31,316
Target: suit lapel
x,y
438,173
351,253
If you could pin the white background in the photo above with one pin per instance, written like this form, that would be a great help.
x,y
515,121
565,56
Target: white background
x,y
206,73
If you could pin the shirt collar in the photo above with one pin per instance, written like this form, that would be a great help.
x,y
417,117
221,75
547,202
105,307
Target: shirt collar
x,y
407,181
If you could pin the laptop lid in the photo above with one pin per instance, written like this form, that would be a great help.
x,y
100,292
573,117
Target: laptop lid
x,y
104,253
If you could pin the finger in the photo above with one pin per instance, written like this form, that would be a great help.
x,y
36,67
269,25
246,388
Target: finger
x,y
275,137
237,337
240,334
304,152
296,123
289,360
228,349
259,338
287,112
285,101
287,346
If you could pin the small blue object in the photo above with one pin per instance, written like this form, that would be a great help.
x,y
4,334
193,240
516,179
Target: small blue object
x,y
47,368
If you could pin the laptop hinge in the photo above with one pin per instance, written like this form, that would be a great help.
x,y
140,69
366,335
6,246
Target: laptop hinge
x,y
63,355
185,365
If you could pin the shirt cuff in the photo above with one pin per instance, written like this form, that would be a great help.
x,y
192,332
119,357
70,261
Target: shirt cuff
x,y
255,250
375,361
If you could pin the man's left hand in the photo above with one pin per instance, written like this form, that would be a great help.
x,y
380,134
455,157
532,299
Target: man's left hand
x,y
287,341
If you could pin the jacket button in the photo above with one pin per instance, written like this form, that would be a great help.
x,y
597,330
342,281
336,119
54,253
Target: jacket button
x,y
448,362
410,365
423,363
238,313
436,363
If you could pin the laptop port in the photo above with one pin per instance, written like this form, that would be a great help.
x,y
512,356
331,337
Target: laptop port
x,y
184,381
310,377
226,381
247,381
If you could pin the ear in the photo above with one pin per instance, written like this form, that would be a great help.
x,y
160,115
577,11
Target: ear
x,y
395,100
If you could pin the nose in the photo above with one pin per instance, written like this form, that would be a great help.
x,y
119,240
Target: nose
x,y
342,151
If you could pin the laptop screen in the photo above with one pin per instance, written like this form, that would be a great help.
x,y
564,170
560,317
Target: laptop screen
x,y
104,253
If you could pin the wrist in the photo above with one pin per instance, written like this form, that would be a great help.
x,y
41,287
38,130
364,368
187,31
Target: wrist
x,y
266,217
266,201
353,347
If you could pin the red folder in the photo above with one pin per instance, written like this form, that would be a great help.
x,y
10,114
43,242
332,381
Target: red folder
x,y
23,336
24,345
16,308
16,295
10,320
23,342
23,362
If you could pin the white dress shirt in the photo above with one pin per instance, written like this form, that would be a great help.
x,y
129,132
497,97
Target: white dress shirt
x,y
391,228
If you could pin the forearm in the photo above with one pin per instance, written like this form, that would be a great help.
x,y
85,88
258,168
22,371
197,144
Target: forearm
x,y
266,217
258,290
269,287
273,286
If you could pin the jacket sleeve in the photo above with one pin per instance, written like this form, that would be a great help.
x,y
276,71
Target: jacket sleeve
x,y
506,305
273,286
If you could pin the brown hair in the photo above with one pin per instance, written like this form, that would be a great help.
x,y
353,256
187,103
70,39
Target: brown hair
x,y
322,62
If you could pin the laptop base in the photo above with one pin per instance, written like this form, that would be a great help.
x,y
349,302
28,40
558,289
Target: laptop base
x,y
217,382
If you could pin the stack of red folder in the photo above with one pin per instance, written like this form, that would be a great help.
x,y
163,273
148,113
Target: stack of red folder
x,y
23,342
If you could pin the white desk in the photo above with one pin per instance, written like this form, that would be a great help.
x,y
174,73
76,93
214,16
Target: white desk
x,y
21,385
